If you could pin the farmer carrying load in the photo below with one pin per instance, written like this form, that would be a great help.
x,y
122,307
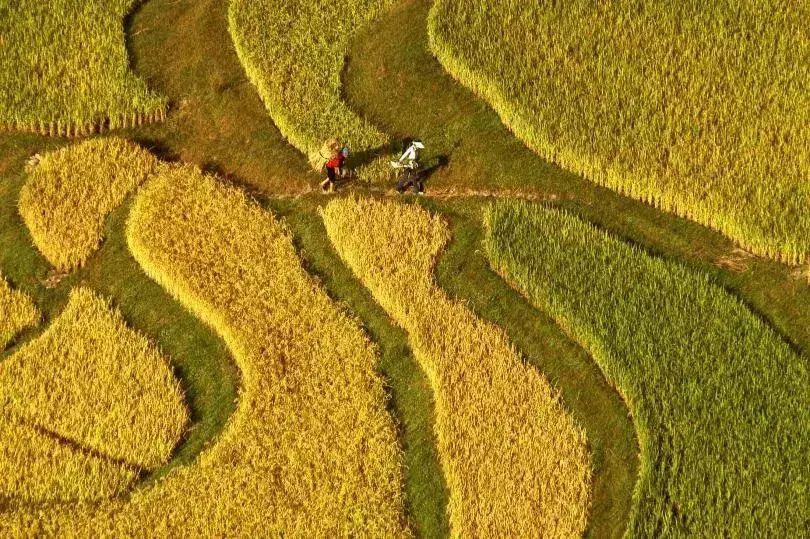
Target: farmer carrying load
x,y
335,157
408,166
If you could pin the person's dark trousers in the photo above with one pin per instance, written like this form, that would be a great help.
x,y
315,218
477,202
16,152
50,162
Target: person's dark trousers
x,y
330,177
410,178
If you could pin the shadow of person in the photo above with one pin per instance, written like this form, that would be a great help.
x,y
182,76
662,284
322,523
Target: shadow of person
x,y
418,179
361,158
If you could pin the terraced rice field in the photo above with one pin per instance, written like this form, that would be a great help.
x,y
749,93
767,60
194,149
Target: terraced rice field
x,y
310,448
293,52
66,69
38,468
515,461
17,312
87,407
70,193
718,398
697,108
194,341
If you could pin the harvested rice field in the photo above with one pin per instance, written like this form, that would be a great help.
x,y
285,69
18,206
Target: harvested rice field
x,y
553,282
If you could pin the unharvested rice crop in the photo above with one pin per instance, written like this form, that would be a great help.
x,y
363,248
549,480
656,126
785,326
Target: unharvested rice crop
x,y
64,69
294,53
36,467
719,400
310,450
700,108
71,191
91,380
515,461
17,312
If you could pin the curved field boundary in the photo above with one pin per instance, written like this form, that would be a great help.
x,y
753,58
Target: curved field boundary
x,y
71,191
412,401
65,69
720,402
310,450
90,379
17,312
670,103
199,358
464,272
294,53
515,461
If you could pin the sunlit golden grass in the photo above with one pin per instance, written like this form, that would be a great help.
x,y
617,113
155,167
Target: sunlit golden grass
x,y
71,191
17,312
515,461
720,402
91,380
64,69
311,450
294,53
36,467
699,108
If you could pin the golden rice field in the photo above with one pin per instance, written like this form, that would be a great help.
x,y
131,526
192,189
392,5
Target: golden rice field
x,y
699,108
90,379
65,69
85,408
294,52
71,191
17,312
311,449
516,463
379,396
37,467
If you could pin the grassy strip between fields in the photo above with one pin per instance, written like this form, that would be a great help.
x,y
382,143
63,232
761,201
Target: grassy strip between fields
x,y
464,272
199,358
699,108
310,449
17,312
514,460
720,402
71,191
294,53
411,396
66,71
91,380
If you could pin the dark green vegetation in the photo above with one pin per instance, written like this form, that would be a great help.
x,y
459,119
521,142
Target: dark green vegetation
x,y
216,120
720,401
